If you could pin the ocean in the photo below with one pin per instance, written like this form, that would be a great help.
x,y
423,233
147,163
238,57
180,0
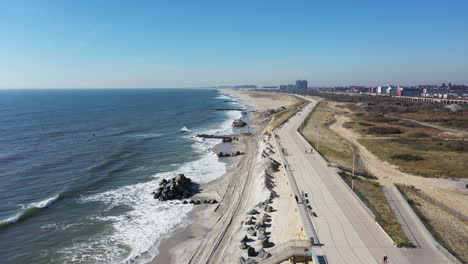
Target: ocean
x,y
77,168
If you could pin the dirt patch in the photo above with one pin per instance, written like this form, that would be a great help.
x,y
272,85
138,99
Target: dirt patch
x,y
447,229
452,193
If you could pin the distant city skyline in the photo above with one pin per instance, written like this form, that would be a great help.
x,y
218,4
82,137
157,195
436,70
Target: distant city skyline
x,y
183,44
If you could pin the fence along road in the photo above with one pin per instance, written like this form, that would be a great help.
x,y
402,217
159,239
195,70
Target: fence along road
x,y
347,233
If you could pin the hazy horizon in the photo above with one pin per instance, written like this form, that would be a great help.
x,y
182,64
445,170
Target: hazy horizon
x,y
118,44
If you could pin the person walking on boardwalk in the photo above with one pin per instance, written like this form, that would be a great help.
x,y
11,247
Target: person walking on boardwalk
x,y
311,150
385,259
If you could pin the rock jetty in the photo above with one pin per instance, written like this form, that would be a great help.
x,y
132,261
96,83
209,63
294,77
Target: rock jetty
x,y
179,187
224,138
234,154
239,123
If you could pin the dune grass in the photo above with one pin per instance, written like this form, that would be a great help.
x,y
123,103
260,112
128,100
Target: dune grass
x,y
432,157
330,145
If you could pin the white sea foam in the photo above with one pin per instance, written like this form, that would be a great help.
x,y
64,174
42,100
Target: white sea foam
x,y
223,96
136,231
44,203
147,135
24,213
184,129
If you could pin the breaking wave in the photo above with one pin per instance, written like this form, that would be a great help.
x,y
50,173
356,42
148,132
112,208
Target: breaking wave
x,y
30,210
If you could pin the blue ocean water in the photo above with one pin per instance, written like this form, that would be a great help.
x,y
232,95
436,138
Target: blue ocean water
x,y
77,168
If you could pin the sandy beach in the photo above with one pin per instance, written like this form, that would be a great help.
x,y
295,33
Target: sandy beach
x,y
212,233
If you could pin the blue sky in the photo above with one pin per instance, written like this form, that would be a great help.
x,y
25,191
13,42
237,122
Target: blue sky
x,y
86,44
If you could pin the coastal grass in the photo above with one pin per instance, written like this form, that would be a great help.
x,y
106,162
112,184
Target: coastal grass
x,y
330,145
415,149
421,156
290,110
371,193
449,230
456,120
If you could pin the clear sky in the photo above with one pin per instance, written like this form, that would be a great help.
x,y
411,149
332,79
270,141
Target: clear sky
x,y
97,43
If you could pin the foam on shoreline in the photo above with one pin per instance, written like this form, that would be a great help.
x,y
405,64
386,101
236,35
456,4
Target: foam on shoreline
x,y
135,232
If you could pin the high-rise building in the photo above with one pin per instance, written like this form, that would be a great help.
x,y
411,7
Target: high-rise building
x,y
301,84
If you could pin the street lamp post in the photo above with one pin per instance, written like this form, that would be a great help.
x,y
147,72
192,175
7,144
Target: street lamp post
x,y
352,177
317,138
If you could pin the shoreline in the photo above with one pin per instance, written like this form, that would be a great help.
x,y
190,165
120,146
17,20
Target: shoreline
x,y
192,224
213,230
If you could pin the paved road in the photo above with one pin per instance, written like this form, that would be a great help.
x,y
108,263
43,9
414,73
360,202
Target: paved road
x,y
346,231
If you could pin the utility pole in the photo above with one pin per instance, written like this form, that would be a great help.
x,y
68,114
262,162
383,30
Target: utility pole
x,y
352,177
317,138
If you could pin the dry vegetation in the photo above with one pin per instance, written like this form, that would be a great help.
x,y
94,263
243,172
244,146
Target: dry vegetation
x,y
425,157
372,195
412,147
449,230
333,147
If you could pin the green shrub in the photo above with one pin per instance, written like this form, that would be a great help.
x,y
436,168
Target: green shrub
x,y
419,135
407,157
384,130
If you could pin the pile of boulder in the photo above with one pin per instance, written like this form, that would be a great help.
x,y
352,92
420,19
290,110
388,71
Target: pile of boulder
x,y
179,187
239,123
197,202
257,236
224,155
271,112
224,138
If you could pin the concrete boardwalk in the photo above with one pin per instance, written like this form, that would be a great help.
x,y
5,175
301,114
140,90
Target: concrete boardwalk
x,y
348,234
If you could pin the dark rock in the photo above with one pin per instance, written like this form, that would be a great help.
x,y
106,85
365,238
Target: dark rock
x,y
239,123
253,212
241,260
197,202
192,201
251,252
224,138
213,201
245,239
268,209
179,187
266,243
185,202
